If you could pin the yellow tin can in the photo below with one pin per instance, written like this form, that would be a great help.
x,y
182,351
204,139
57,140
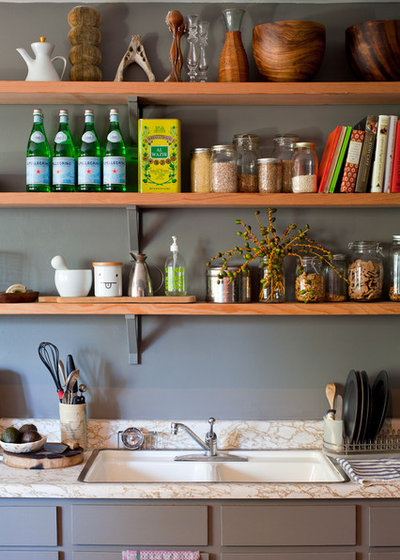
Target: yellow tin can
x,y
159,155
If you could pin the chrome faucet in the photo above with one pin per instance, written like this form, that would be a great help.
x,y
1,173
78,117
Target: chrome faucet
x,y
210,442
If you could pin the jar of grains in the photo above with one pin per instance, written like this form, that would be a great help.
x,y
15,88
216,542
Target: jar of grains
x,y
247,153
284,150
270,175
336,279
309,286
200,170
394,290
304,168
223,169
365,272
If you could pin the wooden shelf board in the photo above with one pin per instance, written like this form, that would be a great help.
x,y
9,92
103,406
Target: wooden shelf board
x,y
208,93
346,308
193,200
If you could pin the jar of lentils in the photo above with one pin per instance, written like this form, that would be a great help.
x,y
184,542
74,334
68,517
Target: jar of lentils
x,y
304,168
309,287
247,153
394,290
270,175
284,149
365,272
336,279
223,169
200,170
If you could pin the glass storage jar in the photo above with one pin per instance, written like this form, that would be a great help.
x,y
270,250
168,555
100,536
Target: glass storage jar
x,y
247,153
365,273
200,170
223,169
394,290
270,175
309,287
284,150
336,282
304,168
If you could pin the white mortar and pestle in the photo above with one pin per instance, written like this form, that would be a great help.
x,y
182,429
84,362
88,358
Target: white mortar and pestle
x,y
69,282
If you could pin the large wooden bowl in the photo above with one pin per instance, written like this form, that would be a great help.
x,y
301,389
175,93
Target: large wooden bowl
x,y
289,51
373,50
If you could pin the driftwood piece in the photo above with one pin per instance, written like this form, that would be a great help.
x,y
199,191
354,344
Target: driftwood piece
x,y
176,24
134,54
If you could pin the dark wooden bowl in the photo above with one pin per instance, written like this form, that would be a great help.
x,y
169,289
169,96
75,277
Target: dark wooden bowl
x,y
373,50
289,51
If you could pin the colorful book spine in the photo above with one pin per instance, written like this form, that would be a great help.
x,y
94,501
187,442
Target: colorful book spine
x,y
387,178
395,184
335,158
327,157
367,153
352,161
378,168
340,160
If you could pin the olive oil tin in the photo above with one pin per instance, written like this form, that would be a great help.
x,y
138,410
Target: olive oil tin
x,y
159,155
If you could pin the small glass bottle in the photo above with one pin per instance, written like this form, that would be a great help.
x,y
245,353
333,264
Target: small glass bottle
x,y
310,286
89,157
394,290
247,154
223,169
114,160
63,157
284,150
304,168
335,284
38,157
200,170
269,175
365,273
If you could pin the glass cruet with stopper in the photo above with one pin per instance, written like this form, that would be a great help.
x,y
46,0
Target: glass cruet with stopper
x,y
284,149
365,272
310,286
247,167
394,289
304,168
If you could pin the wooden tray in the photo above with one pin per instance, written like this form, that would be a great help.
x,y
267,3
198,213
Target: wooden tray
x,y
25,297
122,299
49,457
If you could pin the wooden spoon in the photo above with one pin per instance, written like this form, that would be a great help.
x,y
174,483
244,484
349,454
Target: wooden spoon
x,y
330,391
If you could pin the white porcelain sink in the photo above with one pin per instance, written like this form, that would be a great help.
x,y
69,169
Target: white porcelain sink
x,y
289,465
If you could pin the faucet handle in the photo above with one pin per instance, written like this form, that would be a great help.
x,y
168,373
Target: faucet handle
x,y
211,434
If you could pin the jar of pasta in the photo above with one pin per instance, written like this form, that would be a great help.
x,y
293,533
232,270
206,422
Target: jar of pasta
x,y
310,286
394,290
365,272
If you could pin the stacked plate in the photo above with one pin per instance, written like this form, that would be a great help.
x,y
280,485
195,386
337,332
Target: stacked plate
x,y
364,408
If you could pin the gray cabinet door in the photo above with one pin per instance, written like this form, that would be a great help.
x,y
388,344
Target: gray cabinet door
x,y
292,556
117,556
28,555
39,524
288,525
384,523
140,525
384,555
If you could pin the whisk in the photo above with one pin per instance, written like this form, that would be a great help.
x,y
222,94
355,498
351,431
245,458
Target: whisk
x,y
49,355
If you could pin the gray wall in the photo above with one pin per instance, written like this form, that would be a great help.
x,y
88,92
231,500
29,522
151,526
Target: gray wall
x,y
228,367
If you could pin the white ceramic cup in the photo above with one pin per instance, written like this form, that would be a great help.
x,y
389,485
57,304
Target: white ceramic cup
x,y
107,279
73,283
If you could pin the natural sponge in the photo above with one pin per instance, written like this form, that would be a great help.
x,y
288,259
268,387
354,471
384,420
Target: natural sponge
x,y
85,38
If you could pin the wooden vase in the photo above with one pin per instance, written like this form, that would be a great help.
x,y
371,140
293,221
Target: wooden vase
x,y
233,63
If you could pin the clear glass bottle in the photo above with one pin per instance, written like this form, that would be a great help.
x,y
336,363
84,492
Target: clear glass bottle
x,y
38,157
365,272
223,169
89,157
203,42
175,272
270,175
192,59
200,170
63,157
247,155
335,284
304,168
394,289
284,149
310,285
114,160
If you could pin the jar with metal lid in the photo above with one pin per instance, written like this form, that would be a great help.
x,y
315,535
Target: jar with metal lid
x,y
223,169
310,285
227,289
200,170
270,175
336,279
365,273
394,289
304,168
247,153
284,150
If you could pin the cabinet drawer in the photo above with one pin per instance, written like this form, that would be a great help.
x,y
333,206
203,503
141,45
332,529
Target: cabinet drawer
x,y
28,555
384,555
288,525
140,525
117,556
384,525
292,556
39,526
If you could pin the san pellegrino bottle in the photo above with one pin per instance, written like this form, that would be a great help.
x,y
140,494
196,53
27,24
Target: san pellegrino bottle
x,y
38,157
89,157
175,272
63,156
114,159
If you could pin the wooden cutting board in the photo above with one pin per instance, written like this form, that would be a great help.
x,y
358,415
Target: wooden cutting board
x,y
121,299
49,457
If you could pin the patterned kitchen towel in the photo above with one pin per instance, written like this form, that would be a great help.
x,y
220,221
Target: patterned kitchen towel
x,y
372,471
160,555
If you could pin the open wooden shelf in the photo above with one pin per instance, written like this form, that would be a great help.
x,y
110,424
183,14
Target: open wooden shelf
x,y
261,309
208,93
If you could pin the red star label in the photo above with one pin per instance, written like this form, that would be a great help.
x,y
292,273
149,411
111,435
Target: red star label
x,y
38,171
88,171
58,171
114,170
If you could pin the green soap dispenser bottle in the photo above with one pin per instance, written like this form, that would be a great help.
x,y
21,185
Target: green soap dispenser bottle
x,y
175,272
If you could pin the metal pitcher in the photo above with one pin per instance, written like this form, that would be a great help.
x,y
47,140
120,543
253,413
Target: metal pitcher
x,y
139,277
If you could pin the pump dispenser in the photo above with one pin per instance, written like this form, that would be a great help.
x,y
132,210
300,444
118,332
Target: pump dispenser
x,y
175,272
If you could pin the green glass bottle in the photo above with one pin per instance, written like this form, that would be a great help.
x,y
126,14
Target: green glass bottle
x,y
38,157
114,159
63,157
89,157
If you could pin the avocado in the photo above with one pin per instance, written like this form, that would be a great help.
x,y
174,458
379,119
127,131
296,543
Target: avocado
x,y
29,437
28,428
11,435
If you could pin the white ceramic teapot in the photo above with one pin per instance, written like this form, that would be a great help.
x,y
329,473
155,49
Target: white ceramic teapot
x,y
41,68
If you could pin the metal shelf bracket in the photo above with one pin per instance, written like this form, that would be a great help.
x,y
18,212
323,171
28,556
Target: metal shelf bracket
x,y
134,229
133,329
